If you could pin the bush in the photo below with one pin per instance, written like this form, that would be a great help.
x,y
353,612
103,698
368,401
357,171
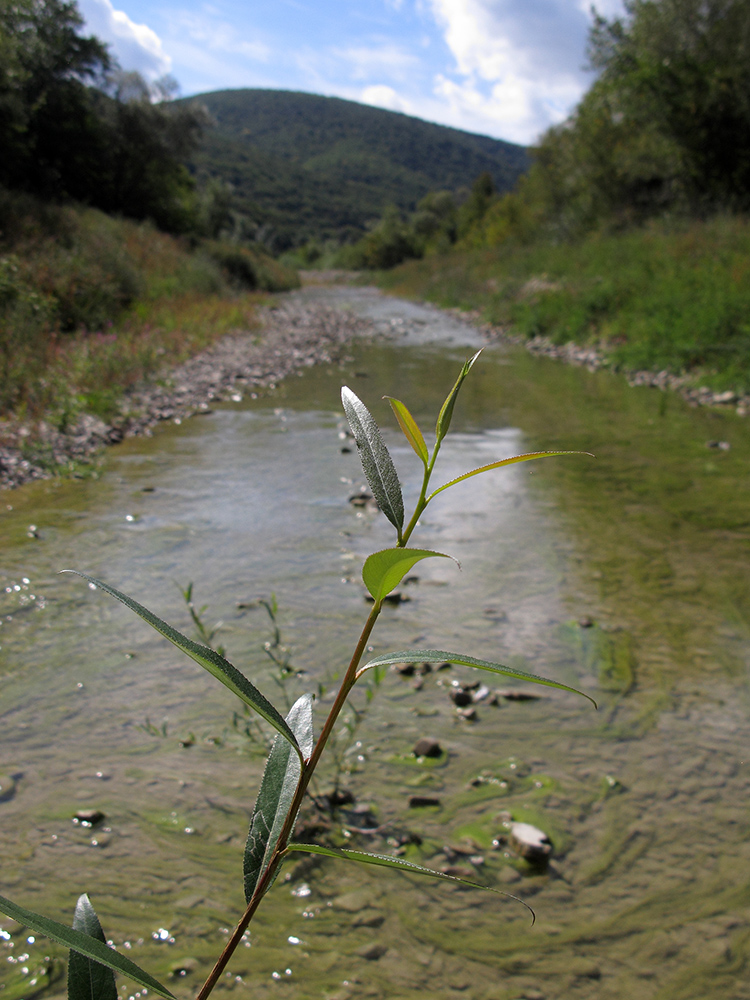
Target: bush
x,y
90,304
250,269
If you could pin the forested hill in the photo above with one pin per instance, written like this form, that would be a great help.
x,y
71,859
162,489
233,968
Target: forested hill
x,y
307,167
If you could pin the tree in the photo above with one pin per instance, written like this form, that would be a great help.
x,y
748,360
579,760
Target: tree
x,y
664,127
74,125
142,172
48,127
680,70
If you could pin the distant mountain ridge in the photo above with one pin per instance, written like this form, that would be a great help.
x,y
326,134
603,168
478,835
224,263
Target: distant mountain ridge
x,y
308,167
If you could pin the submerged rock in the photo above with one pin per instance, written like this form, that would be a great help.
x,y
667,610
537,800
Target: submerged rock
x,y
427,747
372,952
420,801
89,817
530,843
7,787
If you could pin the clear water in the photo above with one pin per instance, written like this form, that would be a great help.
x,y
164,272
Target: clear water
x,y
645,800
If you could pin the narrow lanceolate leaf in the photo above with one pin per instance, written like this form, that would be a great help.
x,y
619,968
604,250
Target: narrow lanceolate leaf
x,y
376,460
385,861
385,570
442,656
280,779
446,411
87,979
84,944
505,461
410,427
208,658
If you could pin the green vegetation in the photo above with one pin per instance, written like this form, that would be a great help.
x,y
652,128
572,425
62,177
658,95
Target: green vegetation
x,y
89,305
441,218
672,296
73,125
305,169
295,753
664,129
627,233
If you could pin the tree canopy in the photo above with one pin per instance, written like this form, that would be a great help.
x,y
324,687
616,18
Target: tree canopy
x,y
73,125
665,127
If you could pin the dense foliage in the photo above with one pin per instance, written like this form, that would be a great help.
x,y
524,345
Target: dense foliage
x,y
441,218
90,304
74,126
304,167
664,128
630,230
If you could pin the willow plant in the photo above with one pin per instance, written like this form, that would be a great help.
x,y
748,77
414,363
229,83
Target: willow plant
x,y
296,752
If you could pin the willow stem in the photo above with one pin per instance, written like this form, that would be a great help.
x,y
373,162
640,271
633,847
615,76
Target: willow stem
x,y
304,780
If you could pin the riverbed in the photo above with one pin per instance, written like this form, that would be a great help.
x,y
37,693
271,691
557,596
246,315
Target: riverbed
x,y
623,575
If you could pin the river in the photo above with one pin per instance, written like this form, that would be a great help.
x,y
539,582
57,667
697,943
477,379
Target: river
x,y
624,575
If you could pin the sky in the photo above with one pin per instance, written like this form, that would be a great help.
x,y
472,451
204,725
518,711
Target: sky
x,y
504,68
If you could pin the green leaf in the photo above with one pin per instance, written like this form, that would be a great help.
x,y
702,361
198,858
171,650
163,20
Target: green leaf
x,y
280,779
84,944
446,411
376,460
441,656
87,979
385,861
208,658
505,461
409,426
385,570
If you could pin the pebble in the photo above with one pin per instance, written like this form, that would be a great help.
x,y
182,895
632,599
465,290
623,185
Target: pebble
x,y
427,747
352,902
372,952
89,817
7,787
458,871
512,694
530,843
183,968
508,875
420,801
405,669
335,798
295,336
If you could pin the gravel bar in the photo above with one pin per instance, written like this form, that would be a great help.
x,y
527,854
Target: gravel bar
x,y
291,336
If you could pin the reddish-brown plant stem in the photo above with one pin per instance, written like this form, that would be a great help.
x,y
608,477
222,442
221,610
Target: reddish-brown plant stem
x,y
306,774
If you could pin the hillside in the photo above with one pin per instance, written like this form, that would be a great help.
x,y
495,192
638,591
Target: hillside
x,y
308,167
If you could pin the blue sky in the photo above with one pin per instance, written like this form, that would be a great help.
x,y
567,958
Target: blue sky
x,y
505,68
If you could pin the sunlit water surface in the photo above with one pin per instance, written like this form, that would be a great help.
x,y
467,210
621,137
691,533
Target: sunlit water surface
x,y
624,575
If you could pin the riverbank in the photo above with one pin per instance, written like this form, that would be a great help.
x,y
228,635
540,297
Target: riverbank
x,y
665,304
594,359
290,337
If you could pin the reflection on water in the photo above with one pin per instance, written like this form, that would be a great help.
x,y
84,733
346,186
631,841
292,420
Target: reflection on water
x,y
623,575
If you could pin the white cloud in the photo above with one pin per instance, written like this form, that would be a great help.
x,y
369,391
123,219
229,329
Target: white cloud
x,y
519,64
220,36
136,46
382,96
379,60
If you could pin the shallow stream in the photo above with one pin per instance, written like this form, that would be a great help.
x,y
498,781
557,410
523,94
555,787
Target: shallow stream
x,y
624,575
